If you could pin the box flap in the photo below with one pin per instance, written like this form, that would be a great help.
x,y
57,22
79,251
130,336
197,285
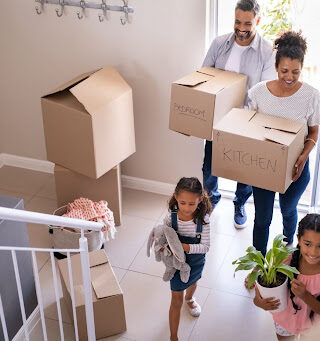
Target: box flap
x,y
104,282
101,88
98,257
212,86
70,83
211,71
104,289
193,79
278,136
278,123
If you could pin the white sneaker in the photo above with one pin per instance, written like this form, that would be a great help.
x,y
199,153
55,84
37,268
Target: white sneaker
x,y
196,311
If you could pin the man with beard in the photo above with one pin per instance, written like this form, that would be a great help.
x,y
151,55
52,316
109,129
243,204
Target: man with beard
x,y
243,51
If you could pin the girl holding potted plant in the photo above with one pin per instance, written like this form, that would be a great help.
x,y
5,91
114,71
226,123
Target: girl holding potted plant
x,y
289,98
303,308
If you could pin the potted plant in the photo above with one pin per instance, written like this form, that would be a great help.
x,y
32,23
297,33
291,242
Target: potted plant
x,y
269,272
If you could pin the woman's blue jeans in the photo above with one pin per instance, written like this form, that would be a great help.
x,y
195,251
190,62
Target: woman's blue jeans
x,y
263,202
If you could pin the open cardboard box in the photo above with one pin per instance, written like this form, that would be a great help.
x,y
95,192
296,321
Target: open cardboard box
x,y
72,185
88,122
201,99
108,306
257,149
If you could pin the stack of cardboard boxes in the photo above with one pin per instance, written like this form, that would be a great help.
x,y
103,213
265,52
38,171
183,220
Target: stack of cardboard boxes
x,y
248,147
89,130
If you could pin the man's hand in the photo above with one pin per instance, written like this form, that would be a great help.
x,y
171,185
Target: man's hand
x,y
268,303
299,165
186,247
298,288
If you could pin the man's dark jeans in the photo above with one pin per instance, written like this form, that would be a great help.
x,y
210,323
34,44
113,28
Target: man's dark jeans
x,y
210,182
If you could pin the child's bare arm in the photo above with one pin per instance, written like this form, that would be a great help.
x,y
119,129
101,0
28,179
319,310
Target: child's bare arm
x,y
299,289
268,303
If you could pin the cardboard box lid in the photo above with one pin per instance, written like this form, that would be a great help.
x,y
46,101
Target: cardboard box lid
x,y
70,83
102,87
278,129
251,124
211,71
279,123
201,76
103,280
97,258
193,79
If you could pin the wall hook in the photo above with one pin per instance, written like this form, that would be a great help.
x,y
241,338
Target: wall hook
x,y
60,13
125,19
83,6
40,9
104,11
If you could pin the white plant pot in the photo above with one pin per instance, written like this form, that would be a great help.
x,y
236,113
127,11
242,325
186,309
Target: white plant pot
x,y
279,293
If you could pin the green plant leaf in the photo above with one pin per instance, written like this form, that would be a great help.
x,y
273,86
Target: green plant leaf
x,y
277,241
245,266
253,277
280,258
291,249
289,268
286,272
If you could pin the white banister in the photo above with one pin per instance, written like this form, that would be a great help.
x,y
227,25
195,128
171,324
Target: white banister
x,y
18,248
20,295
3,322
48,219
39,295
75,320
86,277
56,290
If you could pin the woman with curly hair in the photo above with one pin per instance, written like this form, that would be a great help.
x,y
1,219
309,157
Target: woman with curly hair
x,y
290,98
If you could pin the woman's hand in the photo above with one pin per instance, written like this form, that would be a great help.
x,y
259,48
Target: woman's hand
x,y
186,247
268,303
298,288
299,165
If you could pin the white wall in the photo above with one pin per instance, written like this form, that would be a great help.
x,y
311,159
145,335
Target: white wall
x,y
165,41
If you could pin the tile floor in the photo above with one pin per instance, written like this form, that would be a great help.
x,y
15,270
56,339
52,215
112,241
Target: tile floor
x,y
228,312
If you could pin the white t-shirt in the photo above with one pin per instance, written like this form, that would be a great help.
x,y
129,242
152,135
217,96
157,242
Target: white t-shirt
x,y
233,62
303,106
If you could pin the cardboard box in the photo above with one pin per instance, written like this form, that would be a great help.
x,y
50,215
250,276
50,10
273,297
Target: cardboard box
x,y
108,306
201,99
71,185
88,122
256,149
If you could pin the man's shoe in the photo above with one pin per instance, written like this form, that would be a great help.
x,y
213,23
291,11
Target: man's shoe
x,y
214,205
240,216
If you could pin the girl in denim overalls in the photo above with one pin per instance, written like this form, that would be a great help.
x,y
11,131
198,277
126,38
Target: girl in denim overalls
x,y
189,215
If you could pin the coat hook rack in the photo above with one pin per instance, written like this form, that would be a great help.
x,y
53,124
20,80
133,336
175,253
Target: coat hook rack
x,y
82,4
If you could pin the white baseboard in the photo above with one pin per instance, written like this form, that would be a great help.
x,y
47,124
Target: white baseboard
x,y
32,321
26,162
48,167
147,185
